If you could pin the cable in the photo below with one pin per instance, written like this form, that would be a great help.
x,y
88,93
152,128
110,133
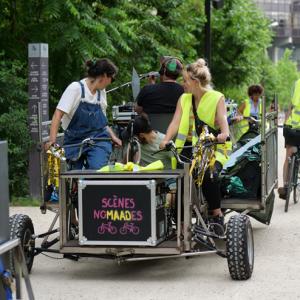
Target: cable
x,y
51,256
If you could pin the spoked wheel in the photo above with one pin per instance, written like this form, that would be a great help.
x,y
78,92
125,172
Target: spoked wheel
x,y
240,247
291,166
296,182
21,227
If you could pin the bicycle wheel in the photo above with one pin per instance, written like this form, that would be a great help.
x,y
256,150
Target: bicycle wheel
x,y
290,181
133,152
296,181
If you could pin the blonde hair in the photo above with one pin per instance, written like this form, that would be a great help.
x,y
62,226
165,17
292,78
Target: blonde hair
x,y
199,70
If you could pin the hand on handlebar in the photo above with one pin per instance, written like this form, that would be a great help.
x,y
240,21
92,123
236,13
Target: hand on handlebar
x,y
163,144
48,145
222,137
116,141
237,118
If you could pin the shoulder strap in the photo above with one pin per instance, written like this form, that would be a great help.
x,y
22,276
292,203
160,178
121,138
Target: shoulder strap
x,y
199,123
98,95
82,90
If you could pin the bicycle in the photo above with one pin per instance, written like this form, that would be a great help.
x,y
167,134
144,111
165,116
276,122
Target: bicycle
x,y
238,232
203,158
129,227
107,228
58,152
293,178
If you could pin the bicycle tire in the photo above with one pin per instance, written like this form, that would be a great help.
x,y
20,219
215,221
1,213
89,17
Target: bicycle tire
x,y
133,149
290,182
296,181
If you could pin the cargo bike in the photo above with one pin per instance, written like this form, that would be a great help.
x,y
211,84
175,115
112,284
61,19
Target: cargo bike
x,y
126,216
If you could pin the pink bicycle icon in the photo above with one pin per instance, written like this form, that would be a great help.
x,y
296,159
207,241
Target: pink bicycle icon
x,y
129,227
107,228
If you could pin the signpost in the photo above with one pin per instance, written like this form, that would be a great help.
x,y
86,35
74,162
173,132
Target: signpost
x,y
38,97
217,4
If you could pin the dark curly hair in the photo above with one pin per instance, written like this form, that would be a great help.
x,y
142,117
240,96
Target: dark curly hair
x,y
255,89
101,67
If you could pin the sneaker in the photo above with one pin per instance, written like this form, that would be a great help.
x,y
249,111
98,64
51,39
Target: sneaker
x,y
216,225
282,192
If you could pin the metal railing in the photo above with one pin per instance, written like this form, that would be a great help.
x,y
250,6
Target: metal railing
x,y
20,266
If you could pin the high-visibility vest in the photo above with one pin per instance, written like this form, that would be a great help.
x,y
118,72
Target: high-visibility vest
x,y
294,118
243,125
206,112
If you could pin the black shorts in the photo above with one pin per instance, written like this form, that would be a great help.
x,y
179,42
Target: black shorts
x,y
291,136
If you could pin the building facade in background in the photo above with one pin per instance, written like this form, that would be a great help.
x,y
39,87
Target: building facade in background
x,y
284,18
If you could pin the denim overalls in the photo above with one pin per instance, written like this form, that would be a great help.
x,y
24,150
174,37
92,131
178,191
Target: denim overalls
x,y
88,122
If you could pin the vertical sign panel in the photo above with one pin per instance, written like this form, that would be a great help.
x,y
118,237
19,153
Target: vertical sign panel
x,y
38,94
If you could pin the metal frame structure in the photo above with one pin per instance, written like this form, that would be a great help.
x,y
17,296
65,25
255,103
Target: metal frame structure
x,y
269,159
170,247
182,245
20,266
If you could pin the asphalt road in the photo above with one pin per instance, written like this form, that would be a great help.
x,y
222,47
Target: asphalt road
x,y
276,271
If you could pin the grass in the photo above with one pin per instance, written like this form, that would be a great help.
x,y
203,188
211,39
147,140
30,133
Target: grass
x,y
24,201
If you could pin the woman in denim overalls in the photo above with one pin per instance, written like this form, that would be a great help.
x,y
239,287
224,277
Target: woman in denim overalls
x,y
87,120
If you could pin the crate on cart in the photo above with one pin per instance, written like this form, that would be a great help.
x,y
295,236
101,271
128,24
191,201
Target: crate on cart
x,y
121,212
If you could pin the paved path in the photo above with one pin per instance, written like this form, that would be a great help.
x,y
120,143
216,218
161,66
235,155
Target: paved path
x,y
276,272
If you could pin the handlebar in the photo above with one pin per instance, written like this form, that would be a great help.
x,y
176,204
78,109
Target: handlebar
x,y
170,146
88,141
252,119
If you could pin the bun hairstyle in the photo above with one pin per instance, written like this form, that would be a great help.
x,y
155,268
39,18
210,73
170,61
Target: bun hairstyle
x,y
101,67
200,71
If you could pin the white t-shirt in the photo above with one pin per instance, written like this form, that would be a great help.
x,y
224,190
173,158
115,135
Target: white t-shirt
x,y
71,97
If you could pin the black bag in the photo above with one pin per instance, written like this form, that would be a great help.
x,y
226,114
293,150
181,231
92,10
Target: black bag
x,y
248,171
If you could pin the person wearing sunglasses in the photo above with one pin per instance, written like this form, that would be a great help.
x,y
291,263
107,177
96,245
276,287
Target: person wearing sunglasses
x,y
82,114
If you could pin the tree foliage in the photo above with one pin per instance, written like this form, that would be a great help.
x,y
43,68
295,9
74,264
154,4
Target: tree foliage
x,y
287,75
240,37
13,123
133,33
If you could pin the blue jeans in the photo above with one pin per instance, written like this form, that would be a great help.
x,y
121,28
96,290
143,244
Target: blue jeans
x,y
95,157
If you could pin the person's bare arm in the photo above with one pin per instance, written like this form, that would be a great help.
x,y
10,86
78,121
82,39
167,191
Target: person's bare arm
x,y
221,119
114,138
55,123
173,127
242,108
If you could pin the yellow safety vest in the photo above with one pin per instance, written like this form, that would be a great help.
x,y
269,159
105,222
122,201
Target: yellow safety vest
x,y
206,112
294,118
243,125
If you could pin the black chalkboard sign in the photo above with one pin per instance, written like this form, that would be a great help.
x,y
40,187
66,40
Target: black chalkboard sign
x,y
116,212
